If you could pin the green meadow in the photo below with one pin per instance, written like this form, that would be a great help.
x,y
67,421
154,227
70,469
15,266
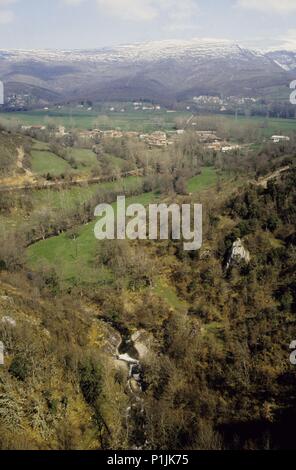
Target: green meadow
x,y
270,126
68,198
169,294
44,162
74,259
83,157
206,179
63,199
140,121
130,120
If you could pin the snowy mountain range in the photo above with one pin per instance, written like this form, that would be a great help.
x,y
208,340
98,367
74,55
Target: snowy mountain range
x,y
150,51
165,71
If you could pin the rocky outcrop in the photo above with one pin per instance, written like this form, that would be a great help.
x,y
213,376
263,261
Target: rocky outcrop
x,y
238,254
141,343
8,321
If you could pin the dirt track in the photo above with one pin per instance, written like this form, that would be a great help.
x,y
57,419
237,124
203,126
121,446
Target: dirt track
x,y
27,182
264,181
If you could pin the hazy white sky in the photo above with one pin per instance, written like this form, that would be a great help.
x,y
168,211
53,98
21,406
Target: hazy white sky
x,y
95,23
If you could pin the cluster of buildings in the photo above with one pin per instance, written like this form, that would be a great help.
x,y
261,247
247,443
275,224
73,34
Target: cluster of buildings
x,y
212,142
223,147
137,106
59,132
155,139
96,134
19,101
145,106
223,103
211,100
158,139
207,137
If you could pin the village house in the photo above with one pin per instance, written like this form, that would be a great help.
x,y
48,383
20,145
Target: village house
x,y
230,148
86,134
207,136
33,128
220,146
216,146
91,135
113,134
61,132
131,134
148,108
97,132
212,100
279,138
156,139
174,136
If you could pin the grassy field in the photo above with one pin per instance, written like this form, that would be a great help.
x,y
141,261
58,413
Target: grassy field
x,y
44,162
73,259
85,158
64,200
117,162
168,293
38,145
130,120
269,126
69,198
141,121
207,179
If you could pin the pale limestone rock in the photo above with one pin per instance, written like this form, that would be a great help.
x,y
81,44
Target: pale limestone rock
x,y
238,254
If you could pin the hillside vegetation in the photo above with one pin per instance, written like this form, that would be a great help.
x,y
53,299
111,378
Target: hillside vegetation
x,y
212,333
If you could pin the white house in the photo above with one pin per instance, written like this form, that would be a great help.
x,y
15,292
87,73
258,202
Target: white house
x,y
280,138
229,148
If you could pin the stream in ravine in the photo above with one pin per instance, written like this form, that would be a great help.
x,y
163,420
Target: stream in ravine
x,y
135,416
135,412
